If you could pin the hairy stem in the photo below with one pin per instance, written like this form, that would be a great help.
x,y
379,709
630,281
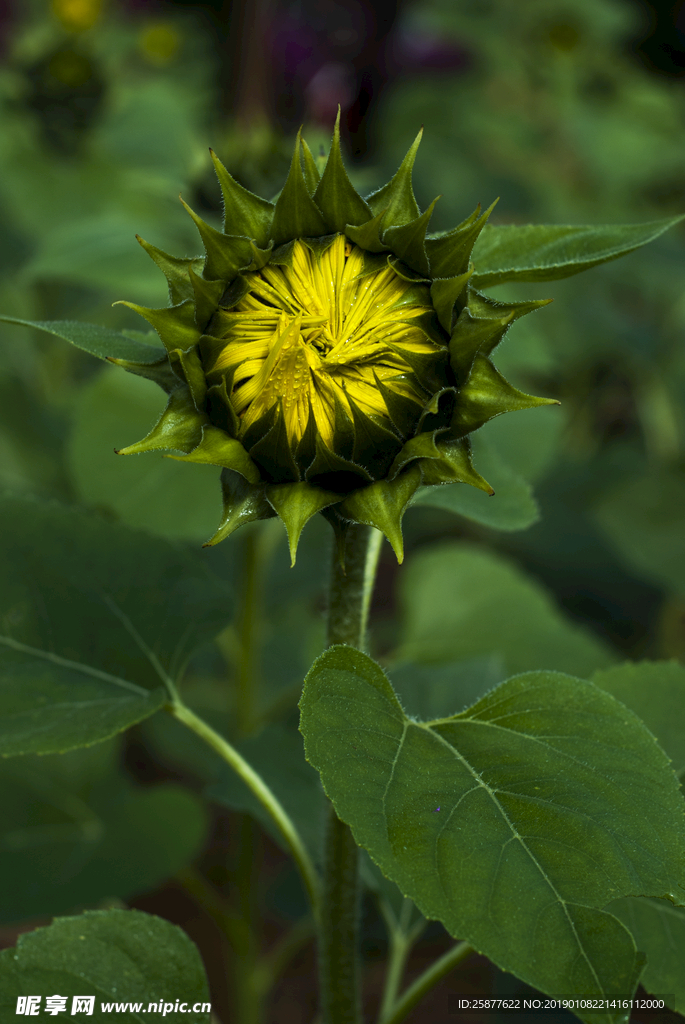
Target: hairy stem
x,y
350,593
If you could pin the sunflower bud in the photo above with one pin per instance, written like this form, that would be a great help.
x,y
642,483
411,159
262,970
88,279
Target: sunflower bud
x,y
326,352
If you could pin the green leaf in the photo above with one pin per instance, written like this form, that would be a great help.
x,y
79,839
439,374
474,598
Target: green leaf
x,y
655,691
99,341
644,520
145,491
119,956
277,755
514,823
94,617
461,601
659,930
511,507
547,252
76,831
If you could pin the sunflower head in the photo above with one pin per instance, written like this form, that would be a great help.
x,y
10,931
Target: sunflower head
x,y
327,352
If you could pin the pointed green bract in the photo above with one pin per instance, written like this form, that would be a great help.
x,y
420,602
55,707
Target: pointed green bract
x,y
215,449
445,293
335,196
450,252
179,427
409,241
368,236
243,503
244,213
175,325
396,199
176,270
311,171
296,214
383,504
226,254
295,505
487,394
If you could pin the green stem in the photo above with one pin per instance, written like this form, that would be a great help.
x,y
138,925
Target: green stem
x,y
425,982
246,668
248,999
350,593
262,792
402,938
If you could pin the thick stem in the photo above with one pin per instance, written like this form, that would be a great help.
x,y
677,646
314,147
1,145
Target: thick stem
x,y
349,600
246,667
351,587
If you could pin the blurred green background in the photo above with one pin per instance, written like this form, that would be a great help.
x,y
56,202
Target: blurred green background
x,y
571,111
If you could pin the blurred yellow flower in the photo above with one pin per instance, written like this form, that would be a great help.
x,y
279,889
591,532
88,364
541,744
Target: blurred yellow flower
x,y
159,42
77,15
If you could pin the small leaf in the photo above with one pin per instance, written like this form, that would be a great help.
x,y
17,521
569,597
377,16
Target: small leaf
x,y
548,252
176,269
119,956
175,325
514,823
487,394
99,341
408,241
179,427
95,618
226,254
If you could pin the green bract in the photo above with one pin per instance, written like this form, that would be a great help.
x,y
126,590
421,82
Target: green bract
x,y
331,355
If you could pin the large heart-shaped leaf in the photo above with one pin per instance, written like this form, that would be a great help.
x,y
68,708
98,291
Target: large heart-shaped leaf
x,y
119,957
94,618
547,252
514,822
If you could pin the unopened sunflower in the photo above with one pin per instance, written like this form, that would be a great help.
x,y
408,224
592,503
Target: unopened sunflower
x,y
327,352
